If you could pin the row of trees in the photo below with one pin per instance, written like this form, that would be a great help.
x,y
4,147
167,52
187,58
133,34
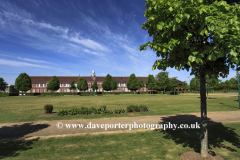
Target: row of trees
x,y
214,83
161,81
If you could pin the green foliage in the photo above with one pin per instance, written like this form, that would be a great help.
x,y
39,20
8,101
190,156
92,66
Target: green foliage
x,y
106,84
233,83
72,86
118,111
173,83
162,80
132,83
151,82
48,108
62,112
113,84
136,108
143,108
3,84
184,85
54,84
103,108
8,94
94,86
82,84
192,84
73,111
23,82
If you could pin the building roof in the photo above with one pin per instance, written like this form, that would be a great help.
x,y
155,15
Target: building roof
x,y
69,79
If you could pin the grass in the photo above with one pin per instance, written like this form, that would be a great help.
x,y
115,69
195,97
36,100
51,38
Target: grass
x,y
224,140
26,109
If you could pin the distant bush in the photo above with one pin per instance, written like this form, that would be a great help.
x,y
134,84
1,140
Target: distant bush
x,y
62,112
103,108
143,108
136,108
73,111
48,108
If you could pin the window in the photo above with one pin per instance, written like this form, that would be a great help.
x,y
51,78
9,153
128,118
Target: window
x,y
100,84
44,90
145,89
28,91
41,90
65,85
117,89
64,90
68,90
33,91
75,84
89,84
37,90
33,84
118,84
126,89
100,89
41,84
61,90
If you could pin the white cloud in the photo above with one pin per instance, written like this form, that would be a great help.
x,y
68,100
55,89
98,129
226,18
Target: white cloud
x,y
33,60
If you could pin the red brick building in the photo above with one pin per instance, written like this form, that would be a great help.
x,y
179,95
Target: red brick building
x,y
39,83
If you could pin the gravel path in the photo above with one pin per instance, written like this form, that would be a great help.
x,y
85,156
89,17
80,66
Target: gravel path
x,y
53,128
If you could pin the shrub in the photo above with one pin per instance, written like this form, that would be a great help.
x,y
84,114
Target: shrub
x,y
62,112
73,111
118,111
123,110
136,108
143,108
103,108
48,108
130,108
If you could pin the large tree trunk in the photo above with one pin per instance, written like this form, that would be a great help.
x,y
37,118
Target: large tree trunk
x,y
207,91
204,133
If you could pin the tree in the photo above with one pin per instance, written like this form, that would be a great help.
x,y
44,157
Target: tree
x,y
192,84
184,85
151,83
233,83
106,84
141,84
82,84
227,84
162,80
201,35
173,83
3,84
210,82
23,82
94,86
113,84
132,83
72,86
54,84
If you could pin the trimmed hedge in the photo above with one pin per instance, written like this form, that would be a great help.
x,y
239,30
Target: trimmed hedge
x,y
9,94
172,92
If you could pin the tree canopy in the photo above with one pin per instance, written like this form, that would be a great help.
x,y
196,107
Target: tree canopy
x,y
184,85
132,83
233,83
151,82
3,84
54,84
113,84
106,84
200,35
72,86
94,86
82,84
23,82
162,80
173,83
193,83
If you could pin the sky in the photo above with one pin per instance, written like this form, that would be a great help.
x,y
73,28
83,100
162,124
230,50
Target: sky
x,y
72,37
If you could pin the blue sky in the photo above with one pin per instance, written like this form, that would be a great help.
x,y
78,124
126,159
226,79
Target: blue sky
x,y
68,38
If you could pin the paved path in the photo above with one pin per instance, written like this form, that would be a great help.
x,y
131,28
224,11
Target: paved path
x,y
49,128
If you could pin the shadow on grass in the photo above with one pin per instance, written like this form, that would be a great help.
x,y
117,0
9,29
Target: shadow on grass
x,y
11,138
13,148
217,133
208,98
229,105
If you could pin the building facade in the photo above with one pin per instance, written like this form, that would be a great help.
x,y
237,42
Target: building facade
x,y
39,83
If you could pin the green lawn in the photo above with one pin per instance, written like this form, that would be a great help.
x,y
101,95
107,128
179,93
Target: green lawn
x,y
224,140
26,109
